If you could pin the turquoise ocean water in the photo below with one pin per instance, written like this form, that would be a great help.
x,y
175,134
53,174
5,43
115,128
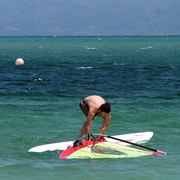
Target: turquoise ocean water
x,y
39,103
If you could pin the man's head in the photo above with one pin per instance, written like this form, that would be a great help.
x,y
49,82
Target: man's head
x,y
106,107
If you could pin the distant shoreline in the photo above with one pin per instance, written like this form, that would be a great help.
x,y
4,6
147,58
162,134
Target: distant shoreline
x,y
99,36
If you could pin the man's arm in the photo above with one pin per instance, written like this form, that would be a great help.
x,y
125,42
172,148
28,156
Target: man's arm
x,y
87,125
82,130
105,126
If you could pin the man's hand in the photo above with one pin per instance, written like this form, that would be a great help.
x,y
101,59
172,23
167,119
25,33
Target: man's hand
x,y
77,143
95,140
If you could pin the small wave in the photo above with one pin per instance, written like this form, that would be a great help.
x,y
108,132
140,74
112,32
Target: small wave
x,y
39,79
84,67
149,47
118,64
90,48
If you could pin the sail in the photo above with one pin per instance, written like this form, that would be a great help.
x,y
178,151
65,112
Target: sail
x,y
104,149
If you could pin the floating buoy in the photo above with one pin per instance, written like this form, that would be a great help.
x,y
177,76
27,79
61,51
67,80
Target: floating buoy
x,y
19,61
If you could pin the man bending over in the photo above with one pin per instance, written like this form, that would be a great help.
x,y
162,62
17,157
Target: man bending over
x,y
93,106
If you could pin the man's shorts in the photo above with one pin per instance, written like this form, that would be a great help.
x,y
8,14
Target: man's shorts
x,y
84,107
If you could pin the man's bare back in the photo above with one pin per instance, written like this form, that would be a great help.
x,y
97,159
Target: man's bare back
x,y
94,102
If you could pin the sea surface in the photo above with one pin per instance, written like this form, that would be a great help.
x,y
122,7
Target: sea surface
x,y
39,103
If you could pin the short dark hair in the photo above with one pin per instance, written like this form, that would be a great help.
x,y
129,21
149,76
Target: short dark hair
x,y
106,107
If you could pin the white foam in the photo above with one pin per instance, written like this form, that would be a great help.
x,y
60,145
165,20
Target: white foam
x,y
89,48
149,47
118,64
84,67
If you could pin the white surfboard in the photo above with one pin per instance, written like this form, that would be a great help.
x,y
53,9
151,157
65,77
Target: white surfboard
x,y
141,137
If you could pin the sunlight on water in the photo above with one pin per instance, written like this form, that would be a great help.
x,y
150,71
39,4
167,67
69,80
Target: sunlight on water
x,y
39,103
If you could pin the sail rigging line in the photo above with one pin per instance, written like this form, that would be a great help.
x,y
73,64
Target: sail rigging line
x,y
155,150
